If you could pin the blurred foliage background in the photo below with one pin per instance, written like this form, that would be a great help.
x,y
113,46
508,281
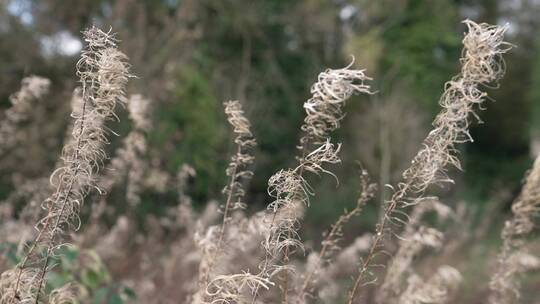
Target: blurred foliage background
x,y
191,55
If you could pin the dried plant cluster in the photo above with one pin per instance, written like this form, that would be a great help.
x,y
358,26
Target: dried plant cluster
x,y
103,75
514,257
33,89
224,254
289,188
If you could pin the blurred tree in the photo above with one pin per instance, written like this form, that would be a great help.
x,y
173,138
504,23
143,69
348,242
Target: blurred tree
x,y
421,47
195,125
411,49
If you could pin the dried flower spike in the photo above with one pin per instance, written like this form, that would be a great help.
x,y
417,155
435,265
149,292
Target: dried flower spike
x,y
288,188
103,73
481,64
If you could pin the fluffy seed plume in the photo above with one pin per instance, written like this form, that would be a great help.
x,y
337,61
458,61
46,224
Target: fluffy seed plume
x,y
238,169
409,248
11,279
513,258
481,64
103,74
139,109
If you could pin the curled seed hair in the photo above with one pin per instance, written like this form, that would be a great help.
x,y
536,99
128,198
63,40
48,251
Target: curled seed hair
x,y
324,110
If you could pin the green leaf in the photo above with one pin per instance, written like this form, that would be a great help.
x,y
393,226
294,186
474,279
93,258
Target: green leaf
x,y
115,299
90,278
129,293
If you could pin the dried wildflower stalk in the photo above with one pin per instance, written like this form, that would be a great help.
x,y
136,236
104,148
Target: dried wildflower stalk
x,y
330,243
129,159
482,64
243,235
290,190
33,88
103,75
9,281
513,258
238,173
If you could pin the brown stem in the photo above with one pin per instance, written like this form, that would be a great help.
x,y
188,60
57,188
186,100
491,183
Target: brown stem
x,y
366,194
224,222
379,234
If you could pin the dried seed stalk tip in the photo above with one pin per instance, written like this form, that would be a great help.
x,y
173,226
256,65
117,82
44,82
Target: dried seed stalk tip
x,y
103,73
482,64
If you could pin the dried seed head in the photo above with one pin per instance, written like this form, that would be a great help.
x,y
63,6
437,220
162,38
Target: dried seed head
x,y
32,86
324,110
484,46
27,279
481,65
103,73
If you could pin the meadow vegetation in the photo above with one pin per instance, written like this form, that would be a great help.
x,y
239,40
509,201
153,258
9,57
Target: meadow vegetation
x,y
57,247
